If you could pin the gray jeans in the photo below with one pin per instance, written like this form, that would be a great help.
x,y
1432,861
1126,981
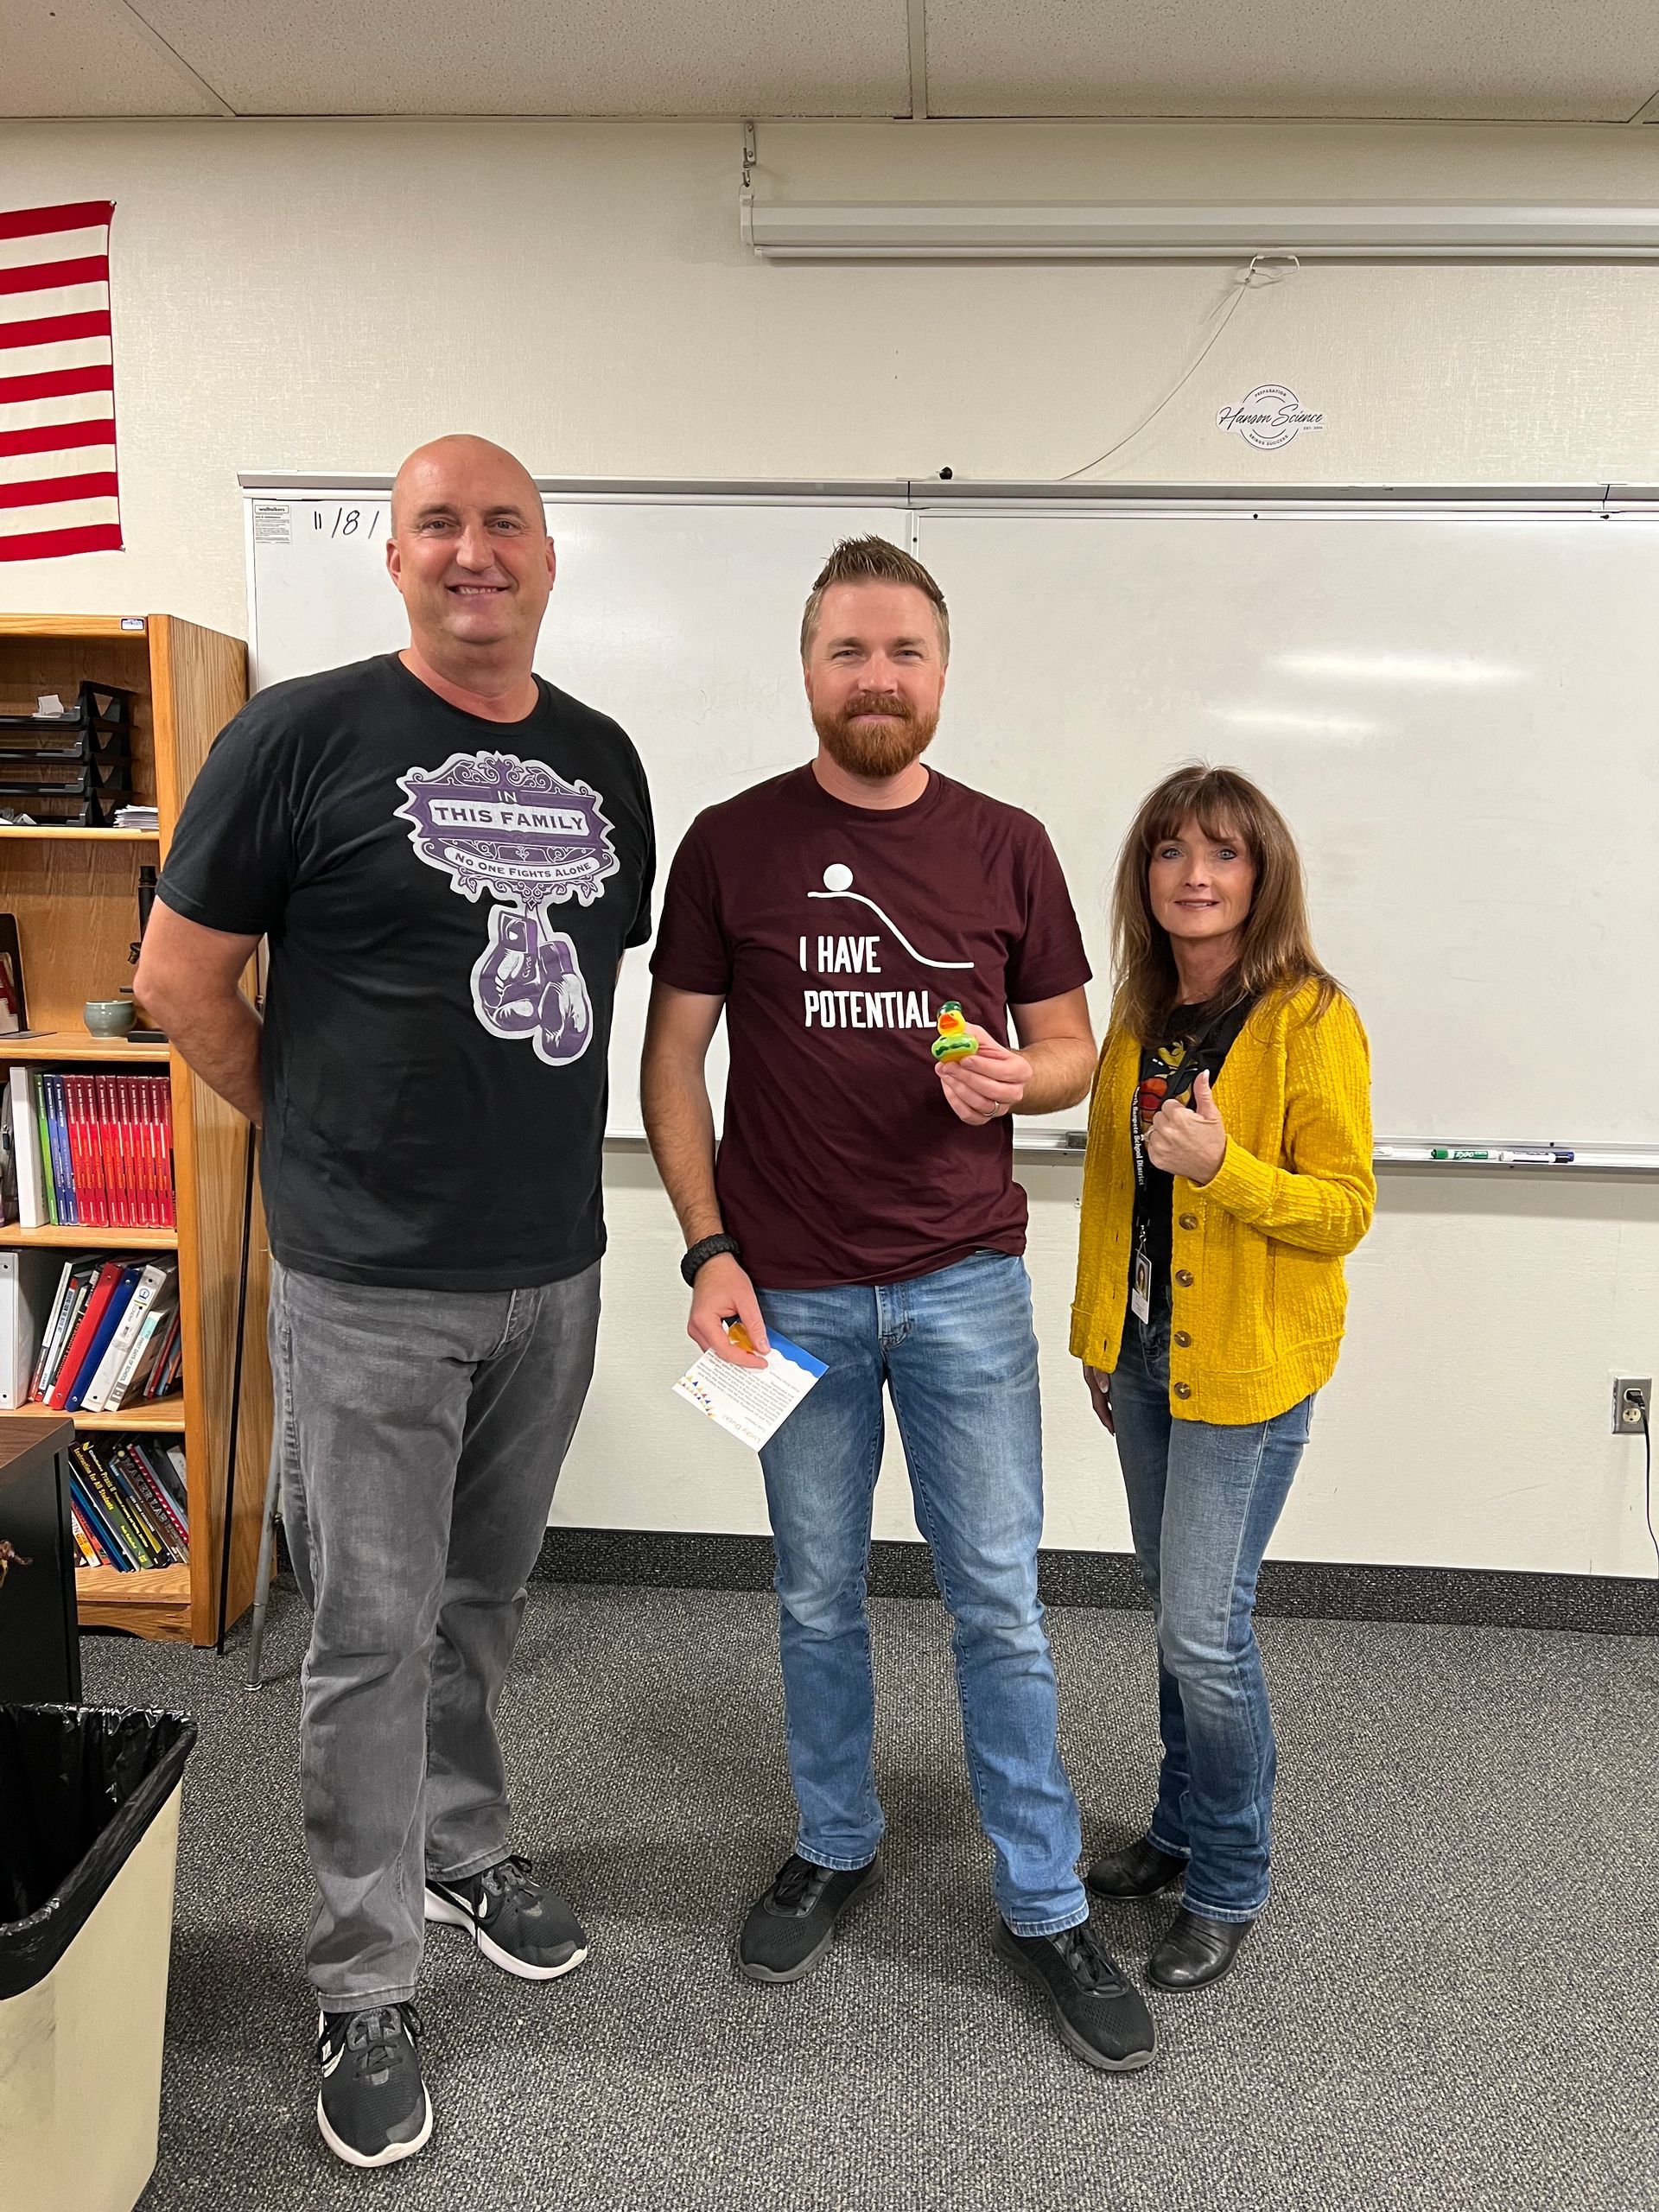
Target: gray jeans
x,y
420,1434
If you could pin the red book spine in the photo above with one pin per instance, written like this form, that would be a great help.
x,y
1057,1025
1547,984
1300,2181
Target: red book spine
x,y
156,1140
114,1088
105,1125
133,1131
128,1126
169,1214
102,1166
120,1193
144,1142
81,1159
98,1130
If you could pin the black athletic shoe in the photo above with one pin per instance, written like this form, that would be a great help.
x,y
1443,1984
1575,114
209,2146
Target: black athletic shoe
x,y
789,1928
522,1926
1099,2011
373,2107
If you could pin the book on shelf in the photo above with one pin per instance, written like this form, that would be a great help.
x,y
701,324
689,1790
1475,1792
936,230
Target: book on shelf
x,y
107,1339
92,1151
149,1352
26,1150
28,1285
128,1504
150,1283
100,1291
8,1167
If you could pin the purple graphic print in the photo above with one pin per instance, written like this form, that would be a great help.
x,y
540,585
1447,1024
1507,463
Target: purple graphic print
x,y
528,985
513,828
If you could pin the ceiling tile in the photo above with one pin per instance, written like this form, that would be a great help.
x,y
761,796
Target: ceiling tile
x,y
521,57
1559,61
83,57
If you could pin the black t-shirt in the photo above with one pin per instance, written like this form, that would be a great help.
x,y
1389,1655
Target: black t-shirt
x,y
1195,1037
446,901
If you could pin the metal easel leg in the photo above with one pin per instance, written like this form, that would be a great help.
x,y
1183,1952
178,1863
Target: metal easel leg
x,y
236,1389
262,1578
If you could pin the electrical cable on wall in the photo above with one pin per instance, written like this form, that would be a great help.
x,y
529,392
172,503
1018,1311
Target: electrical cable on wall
x,y
1264,269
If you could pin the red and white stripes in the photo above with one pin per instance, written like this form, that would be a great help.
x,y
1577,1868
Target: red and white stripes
x,y
57,384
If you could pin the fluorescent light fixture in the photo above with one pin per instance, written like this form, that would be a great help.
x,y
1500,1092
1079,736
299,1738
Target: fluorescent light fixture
x,y
1289,723
1178,231
1426,669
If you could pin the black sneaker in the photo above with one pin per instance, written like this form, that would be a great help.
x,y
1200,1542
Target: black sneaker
x,y
1099,2011
372,2107
523,1927
789,1928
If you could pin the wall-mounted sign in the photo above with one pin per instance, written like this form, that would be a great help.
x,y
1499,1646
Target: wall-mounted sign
x,y
1268,418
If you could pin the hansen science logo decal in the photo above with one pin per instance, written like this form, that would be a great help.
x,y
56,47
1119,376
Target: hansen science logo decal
x,y
1270,417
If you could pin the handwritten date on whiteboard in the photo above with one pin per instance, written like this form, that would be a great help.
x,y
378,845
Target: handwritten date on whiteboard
x,y
348,522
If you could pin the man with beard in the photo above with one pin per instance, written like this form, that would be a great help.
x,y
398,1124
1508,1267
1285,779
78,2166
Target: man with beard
x,y
862,1205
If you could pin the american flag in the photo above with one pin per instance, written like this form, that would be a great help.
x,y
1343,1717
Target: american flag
x,y
57,384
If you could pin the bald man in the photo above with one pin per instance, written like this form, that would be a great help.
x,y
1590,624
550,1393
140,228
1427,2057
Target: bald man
x,y
448,857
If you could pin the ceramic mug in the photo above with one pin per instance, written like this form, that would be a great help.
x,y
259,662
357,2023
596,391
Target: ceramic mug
x,y
109,1017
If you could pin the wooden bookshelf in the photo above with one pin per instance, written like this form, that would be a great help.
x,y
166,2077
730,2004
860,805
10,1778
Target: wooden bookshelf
x,y
77,1044
155,1416
58,831
75,893
151,1602
85,1240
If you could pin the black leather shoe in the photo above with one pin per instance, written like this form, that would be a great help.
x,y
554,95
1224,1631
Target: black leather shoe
x,y
1139,1870
1195,1951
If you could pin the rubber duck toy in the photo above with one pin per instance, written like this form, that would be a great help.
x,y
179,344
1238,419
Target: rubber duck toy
x,y
954,1041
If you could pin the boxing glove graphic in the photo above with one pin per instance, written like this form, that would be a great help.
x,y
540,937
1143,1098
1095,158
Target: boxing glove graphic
x,y
507,981
566,1015
529,984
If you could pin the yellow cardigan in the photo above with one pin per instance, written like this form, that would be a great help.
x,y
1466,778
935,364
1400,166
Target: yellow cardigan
x,y
1257,1290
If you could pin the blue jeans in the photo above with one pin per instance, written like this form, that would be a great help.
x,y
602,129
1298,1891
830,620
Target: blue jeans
x,y
957,1353
1203,1501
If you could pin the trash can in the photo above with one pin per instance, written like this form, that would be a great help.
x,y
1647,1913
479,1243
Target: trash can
x,y
89,1830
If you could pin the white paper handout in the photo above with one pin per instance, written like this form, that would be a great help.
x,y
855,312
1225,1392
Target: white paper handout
x,y
752,1403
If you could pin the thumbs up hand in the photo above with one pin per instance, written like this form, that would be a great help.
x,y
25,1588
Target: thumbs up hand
x,y
1190,1141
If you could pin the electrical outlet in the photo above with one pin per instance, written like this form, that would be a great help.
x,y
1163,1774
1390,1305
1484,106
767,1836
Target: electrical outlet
x,y
1632,1401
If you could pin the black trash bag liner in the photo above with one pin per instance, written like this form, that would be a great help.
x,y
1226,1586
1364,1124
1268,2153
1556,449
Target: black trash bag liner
x,y
79,1786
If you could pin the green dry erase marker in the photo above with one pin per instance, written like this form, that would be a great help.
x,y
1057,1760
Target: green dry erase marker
x,y
1535,1155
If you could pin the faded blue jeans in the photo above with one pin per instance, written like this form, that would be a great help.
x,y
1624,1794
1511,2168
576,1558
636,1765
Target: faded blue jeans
x,y
956,1351
1203,1501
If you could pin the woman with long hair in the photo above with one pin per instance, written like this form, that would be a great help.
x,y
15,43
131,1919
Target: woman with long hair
x,y
1228,1173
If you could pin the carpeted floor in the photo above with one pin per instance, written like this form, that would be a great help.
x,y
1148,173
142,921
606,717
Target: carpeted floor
x,y
1452,2003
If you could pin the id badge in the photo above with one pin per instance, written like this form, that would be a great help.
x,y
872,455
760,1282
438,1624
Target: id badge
x,y
1141,1295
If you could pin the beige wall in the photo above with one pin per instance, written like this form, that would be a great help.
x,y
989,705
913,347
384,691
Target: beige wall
x,y
320,297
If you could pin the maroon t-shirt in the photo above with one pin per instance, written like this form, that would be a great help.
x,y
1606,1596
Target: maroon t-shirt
x,y
834,933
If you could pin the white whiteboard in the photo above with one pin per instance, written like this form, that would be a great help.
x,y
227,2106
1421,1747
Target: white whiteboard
x,y
1452,704
680,620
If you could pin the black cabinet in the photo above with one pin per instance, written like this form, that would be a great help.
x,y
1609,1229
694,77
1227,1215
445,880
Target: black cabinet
x,y
40,1647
